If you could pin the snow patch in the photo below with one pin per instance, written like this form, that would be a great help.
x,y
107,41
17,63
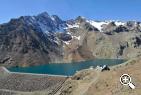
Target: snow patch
x,y
68,33
97,24
56,42
76,37
76,25
52,18
46,32
33,18
140,24
118,23
61,28
67,42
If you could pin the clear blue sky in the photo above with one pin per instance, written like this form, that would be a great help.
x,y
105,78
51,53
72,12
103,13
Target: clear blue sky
x,y
66,9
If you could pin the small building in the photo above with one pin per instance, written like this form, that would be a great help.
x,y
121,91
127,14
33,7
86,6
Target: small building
x,y
103,68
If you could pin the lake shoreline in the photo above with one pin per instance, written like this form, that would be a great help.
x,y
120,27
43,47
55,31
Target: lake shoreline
x,y
59,75
66,69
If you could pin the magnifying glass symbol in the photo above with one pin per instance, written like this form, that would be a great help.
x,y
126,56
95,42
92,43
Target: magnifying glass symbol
x,y
125,79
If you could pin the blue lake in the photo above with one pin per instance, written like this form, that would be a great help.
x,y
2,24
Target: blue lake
x,y
67,69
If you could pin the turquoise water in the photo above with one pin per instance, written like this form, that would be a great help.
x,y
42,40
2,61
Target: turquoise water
x,y
65,69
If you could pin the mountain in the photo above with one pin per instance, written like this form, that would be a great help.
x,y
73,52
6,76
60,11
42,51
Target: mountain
x,y
44,22
41,39
107,39
30,40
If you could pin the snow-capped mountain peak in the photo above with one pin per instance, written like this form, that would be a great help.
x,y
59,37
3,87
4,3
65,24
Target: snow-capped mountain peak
x,y
52,23
45,22
99,24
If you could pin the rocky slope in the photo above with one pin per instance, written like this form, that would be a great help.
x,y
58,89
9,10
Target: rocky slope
x,y
33,40
94,82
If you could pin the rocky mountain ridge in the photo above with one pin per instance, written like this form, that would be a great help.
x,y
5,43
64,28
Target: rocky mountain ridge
x,y
104,39
41,39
